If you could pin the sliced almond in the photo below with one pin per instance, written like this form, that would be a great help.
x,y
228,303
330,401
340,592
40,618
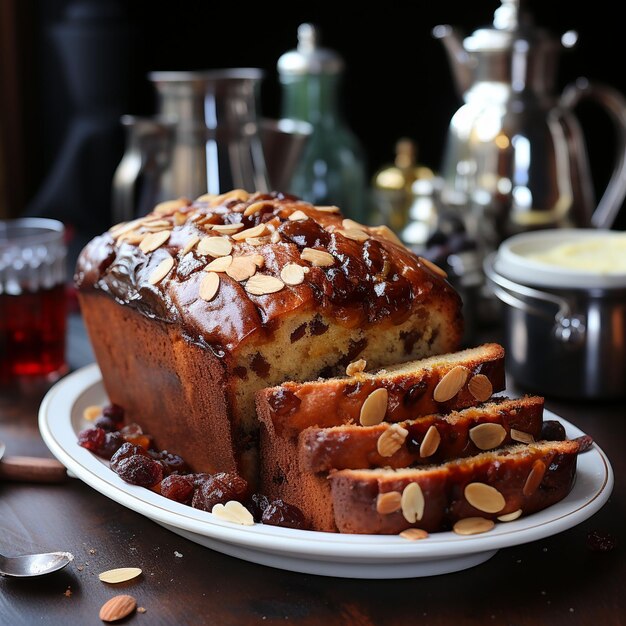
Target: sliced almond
x,y
164,208
250,233
374,408
387,503
349,224
92,412
209,285
214,246
534,478
261,284
355,234
117,608
480,387
189,245
430,443
161,270
521,436
227,229
473,526
386,233
119,575
242,267
206,197
134,237
484,497
509,517
220,264
432,267
236,194
124,227
451,384
356,367
318,258
234,512
275,238
391,440
257,207
156,224
257,241
487,436
413,534
180,218
154,240
328,209
413,503
292,274
297,216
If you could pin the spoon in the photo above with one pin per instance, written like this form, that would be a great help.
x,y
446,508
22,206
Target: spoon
x,y
30,565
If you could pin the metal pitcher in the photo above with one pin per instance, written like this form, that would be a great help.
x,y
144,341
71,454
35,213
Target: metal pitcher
x,y
515,157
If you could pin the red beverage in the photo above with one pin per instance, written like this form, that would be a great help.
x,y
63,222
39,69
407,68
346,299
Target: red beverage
x,y
32,333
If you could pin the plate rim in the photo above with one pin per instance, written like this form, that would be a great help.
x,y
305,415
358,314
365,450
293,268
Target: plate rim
x,y
306,543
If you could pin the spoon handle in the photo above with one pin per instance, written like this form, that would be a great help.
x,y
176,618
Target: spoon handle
x,y
32,469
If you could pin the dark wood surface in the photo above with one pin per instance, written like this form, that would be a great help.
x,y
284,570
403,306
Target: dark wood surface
x,y
559,580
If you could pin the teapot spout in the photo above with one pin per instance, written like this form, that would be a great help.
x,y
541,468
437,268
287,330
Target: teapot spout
x,y
458,56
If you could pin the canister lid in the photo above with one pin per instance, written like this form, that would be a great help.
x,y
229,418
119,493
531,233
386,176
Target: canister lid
x,y
309,57
565,258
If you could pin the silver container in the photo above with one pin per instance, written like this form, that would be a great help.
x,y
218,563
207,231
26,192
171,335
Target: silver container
x,y
565,329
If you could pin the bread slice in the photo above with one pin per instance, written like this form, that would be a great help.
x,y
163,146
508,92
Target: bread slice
x,y
286,410
527,477
500,422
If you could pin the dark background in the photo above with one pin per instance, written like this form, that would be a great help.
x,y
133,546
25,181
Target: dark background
x,y
398,81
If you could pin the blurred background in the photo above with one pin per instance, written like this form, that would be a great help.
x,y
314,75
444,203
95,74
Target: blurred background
x,y
397,81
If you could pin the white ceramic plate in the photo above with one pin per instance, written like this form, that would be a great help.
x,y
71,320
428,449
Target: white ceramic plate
x,y
329,554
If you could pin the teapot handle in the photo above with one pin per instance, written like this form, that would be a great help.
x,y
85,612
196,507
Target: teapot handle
x,y
614,103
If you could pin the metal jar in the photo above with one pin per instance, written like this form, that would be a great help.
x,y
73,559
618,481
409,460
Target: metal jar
x,y
565,331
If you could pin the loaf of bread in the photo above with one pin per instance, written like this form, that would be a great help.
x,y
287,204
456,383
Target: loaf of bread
x,y
513,481
195,307
436,384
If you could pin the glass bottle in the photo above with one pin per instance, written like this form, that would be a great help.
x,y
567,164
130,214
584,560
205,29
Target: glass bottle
x,y
332,167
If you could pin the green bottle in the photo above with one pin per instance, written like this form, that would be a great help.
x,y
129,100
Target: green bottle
x,y
332,167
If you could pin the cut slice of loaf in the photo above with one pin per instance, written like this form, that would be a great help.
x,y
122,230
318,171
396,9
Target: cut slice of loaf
x,y
458,434
526,477
286,410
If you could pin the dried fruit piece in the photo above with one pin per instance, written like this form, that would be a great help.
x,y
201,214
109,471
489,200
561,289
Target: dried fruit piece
x,y
318,258
280,513
413,503
451,384
119,575
552,430
234,512
356,367
117,608
430,443
220,264
389,502
154,240
161,270
292,274
509,517
214,246
484,497
473,526
219,489
391,440
534,478
298,216
413,534
178,488
487,436
209,286
92,412
374,408
261,284
522,437
480,387
139,470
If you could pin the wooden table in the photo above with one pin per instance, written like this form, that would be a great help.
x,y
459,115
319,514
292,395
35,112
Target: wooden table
x,y
559,580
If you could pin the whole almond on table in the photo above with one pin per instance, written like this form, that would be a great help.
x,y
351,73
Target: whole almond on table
x,y
117,608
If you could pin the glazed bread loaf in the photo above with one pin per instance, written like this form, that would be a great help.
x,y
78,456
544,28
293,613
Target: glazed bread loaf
x,y
513,481
198,305
435,384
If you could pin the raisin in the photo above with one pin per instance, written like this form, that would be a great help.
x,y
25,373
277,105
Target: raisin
x,y
178,488
172,463
599,541
125,451
106,423
414,393
283,402
114,412
112,443
552,430
91,438
200,478
280,513
139,470
219,489
257,504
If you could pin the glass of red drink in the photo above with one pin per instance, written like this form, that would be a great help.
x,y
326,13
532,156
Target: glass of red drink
x,y
33,270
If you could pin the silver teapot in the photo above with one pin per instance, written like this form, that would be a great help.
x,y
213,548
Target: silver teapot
x,y
515,157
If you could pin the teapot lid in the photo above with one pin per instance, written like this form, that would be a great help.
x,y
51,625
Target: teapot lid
x,y
512,24
309,57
